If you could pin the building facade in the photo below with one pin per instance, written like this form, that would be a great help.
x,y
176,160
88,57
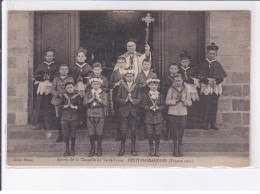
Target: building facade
x,y
29,33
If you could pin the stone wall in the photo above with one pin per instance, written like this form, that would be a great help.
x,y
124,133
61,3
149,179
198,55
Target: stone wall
x,y
230,30
20,63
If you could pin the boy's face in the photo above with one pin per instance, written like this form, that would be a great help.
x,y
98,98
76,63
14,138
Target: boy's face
x,y
153,86
129,77
212,54
146,66
121,63
95,85
185,63
97,71
64,70
70,88
177,82
49,56
173,69
81,57
131,47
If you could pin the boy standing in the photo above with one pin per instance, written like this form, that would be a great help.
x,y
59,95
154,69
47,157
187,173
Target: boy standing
x,y
97,73
81,71
191,83
70,118
128,98
177,99
95,100
43,77
57,90
173,70
211,76
153,102
141,79
116,79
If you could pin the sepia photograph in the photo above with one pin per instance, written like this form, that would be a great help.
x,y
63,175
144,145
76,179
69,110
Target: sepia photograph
x,y
133,88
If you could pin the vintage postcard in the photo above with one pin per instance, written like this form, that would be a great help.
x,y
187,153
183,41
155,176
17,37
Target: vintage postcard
x,y
128,88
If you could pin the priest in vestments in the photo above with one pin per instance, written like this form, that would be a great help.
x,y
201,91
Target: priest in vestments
x,y
134,59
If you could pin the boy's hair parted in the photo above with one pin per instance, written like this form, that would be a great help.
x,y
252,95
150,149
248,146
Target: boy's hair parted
x,y
49,49
97,64
69,83
173,64
177,75
121,58
63,65
146,61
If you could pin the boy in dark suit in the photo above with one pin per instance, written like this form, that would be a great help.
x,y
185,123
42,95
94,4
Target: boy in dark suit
x,y
153,102
128,98
116,79
71,103
95,100
57,90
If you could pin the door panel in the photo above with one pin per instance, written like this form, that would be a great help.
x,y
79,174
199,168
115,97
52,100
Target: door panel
x,y
183,31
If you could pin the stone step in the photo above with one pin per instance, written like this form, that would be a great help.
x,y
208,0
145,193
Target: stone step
x,y
163,154
191,144
29,132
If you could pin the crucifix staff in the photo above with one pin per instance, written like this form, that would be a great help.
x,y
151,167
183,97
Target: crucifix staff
x,y
148,19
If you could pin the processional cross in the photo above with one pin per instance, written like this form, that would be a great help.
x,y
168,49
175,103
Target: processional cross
x,y
148,19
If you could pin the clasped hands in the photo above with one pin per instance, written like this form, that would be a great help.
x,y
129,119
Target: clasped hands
x,y
129,98
212,83
70,105
95,96
154,107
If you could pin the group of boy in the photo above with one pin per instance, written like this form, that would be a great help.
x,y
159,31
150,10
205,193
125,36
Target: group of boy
x,y
81,95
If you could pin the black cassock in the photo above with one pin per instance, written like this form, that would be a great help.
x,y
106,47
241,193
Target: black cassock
x,y
209,96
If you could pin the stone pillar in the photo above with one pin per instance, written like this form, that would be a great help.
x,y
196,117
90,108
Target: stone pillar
x,y
20,65
230,30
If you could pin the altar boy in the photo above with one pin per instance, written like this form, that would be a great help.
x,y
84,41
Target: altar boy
x,y
128,98
211,76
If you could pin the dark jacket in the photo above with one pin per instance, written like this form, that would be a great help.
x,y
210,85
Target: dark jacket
x,y
69,114
153,117
84,70
188,74
95,108
46,68
125,108
58,88
211,70
141,79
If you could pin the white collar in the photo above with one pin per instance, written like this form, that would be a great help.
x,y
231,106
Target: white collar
x,y
121,71
154,95
129,84
49,63
97,92
81,66
185,69
131,54
146,72
210,61
63,76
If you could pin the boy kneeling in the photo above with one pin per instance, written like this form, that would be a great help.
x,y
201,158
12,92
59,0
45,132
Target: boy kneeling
x,y
128,98
153,103
96,100
70,119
